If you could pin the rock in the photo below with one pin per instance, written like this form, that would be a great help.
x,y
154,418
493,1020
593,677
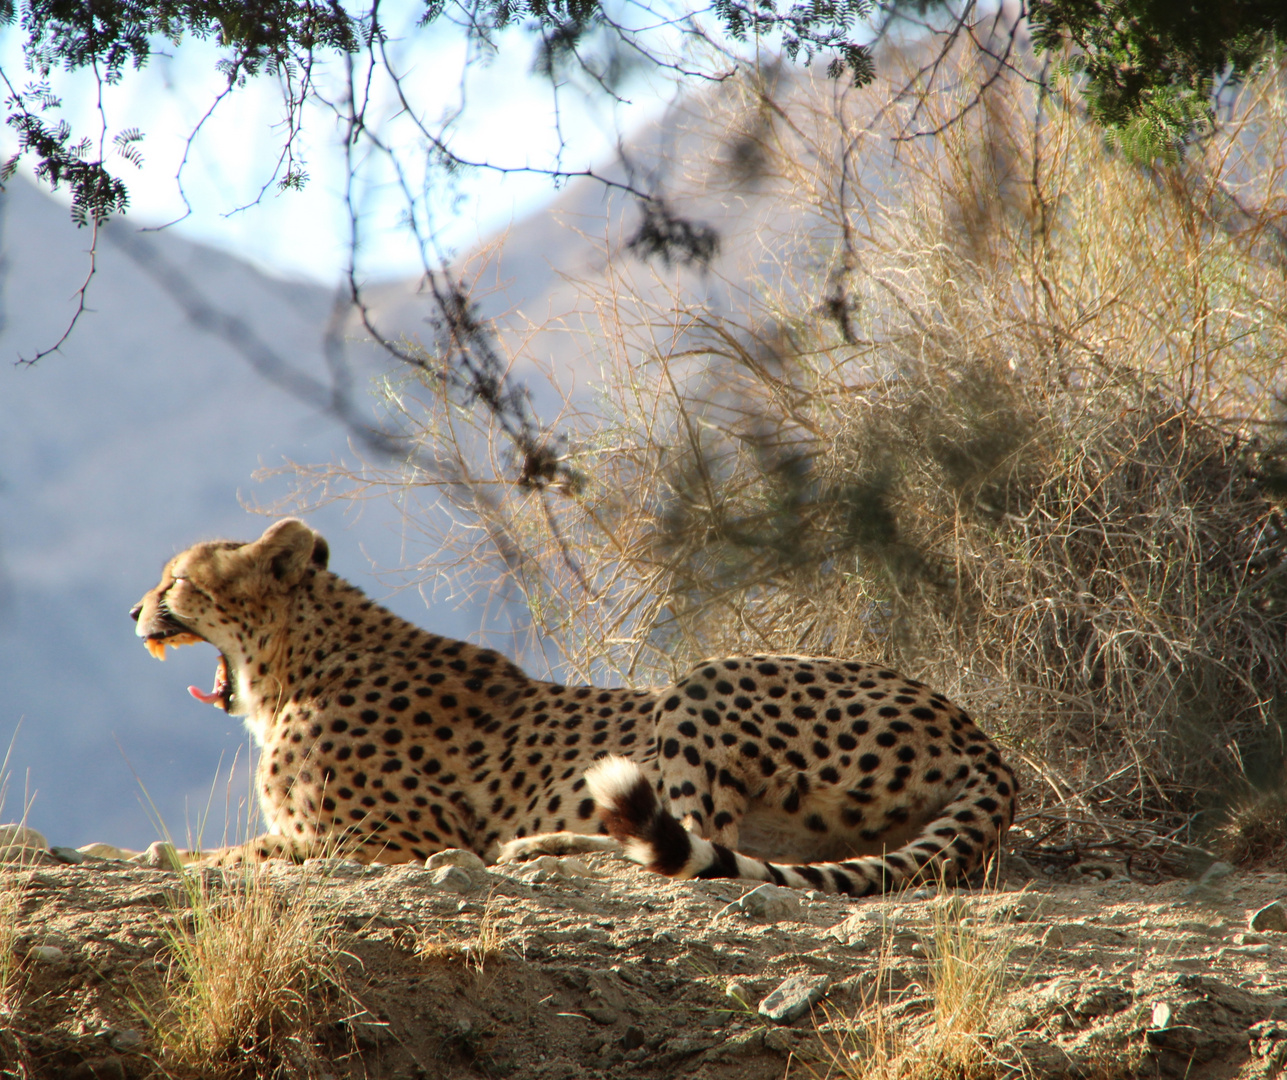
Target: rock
x,y
47,954
1271,917
466,860
454,879
107,851
793,998
685,1046
162,855
1053,938
1209,886
1268,1039
68,855
1161,1015
633,1038
332,866
124,1040
769,902
739,993
19,843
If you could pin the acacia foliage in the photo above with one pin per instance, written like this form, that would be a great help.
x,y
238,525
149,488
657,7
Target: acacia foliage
x,y
1149,67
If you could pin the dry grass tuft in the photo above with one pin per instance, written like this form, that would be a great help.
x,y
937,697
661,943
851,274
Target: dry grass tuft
x,y
485,946
1254,832
889,1039
256,975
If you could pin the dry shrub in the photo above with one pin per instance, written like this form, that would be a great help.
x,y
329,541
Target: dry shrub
x,y
255,978
1254,832
997,409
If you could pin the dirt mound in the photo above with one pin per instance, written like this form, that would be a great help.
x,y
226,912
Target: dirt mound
x,y
568,969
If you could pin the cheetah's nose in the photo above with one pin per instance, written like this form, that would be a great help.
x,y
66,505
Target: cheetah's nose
x,y
135,610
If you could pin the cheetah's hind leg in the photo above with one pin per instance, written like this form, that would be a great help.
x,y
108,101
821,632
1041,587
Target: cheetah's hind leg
x,y
555,843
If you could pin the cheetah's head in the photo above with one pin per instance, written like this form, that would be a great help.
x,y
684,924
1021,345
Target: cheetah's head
x,y
231,595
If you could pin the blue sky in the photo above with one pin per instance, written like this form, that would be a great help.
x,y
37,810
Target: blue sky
x,y
510,119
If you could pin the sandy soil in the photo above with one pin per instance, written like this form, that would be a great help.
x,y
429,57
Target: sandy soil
x,y
595,968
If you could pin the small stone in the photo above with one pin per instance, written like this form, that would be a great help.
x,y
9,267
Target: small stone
x,y
1271,917
633,1038
69,855
1215,872
601,1015
685,1045
453,879
739,993
107,851
1053,938
924,894
779,1040
18,843
333,866
1161,1016
162,855
769,902
793,998
124,1039
466,860
47,954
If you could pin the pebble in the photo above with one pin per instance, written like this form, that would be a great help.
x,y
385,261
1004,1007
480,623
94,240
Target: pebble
x,y
124,1040
69,855
738,992
332,866
161,855
454,879
1209,886
1053,938
633,1038
18,843
793,998
107,851
770,902
1161,1016
47,954
1271,917
466,860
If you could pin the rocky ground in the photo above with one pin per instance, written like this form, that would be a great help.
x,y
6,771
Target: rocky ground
x,y
567,968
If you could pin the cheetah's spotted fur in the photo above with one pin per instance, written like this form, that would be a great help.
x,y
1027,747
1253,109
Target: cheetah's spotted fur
x,y
392,743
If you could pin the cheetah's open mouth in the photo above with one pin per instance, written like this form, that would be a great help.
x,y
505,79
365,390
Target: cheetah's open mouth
x,y
175,635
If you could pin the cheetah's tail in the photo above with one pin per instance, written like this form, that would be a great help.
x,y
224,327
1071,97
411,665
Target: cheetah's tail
x,y
651,836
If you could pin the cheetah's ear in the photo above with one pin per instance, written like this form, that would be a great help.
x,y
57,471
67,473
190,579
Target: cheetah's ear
x,y
287,548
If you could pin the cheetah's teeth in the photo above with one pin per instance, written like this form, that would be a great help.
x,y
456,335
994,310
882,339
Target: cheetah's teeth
x,y
155,647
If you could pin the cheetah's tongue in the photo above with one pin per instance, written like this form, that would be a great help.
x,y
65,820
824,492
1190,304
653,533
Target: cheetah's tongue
x,y
219,695
210,698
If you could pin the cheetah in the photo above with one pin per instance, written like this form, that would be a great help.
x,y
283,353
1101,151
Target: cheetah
x,y
388,743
